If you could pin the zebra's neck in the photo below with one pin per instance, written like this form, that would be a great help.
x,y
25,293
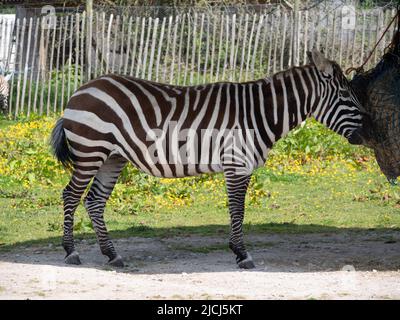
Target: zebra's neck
x,y
286,99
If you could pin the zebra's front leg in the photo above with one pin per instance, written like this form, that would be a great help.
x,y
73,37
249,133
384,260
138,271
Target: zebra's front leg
x,y
236,185
95,202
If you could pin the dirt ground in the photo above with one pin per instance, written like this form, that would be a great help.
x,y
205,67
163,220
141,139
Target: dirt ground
x,y
347,265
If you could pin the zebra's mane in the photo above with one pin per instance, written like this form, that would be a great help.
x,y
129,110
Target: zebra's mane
x,y
335,65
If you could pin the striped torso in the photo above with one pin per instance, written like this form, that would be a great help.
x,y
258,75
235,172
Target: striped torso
x,y
118,114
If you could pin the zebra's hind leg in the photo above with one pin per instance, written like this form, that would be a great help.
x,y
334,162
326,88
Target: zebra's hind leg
x,y
236,185
95,202
72,194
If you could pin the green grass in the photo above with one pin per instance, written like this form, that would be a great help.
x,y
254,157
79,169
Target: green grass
x,y
299,205
288,196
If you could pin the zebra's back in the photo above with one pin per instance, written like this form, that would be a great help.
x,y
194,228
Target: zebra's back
x,y
166,131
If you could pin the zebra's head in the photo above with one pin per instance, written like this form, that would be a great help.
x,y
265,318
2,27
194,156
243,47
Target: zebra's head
x,y
339,108
4,91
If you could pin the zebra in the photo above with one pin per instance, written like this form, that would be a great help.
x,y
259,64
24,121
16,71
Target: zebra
x,y
4,91
107,123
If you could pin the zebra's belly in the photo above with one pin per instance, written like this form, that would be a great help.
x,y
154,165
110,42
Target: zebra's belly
x,y
178,170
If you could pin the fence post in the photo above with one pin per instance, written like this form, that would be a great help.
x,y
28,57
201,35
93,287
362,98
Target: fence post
x,y
88,56
26,64
295,53
21,48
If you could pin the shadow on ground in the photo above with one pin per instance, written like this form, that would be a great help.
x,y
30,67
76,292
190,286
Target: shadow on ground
x,y
275,248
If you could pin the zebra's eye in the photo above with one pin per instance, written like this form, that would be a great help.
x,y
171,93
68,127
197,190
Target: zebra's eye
x,y
345,93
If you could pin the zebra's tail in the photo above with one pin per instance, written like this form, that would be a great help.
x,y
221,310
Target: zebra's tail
x,y
60,146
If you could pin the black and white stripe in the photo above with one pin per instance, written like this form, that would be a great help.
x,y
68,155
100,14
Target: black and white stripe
x,y
111,120
4,91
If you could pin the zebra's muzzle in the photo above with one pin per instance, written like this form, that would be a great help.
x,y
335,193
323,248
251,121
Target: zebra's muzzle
x,y
356,137
363,134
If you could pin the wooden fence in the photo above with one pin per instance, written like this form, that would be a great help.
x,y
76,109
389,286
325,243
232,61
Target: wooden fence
x,y
53,57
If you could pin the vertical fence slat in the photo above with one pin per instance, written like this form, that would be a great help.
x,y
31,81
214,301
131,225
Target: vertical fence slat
x,y
199,50
121,48
297,38
159,51
82,42
284,40
250,47
246,25
181,44
177,18
385,22
362,39
153,47
370,44
347,48
114,39
139,62
306,38
207,49
137,23
146,47
108,44
312,42
2,36
214,35
341,41
35,36
277,37
103,43
224,65
26,67
71,31
271,33
51,65
63,60
89,41
166,56
10,27
232,47
192,66
376,36
17,25
21,50
236,48
187,50
291,41
57,65
353,47
319,29
77,18
96,49
44,67
264,34
256,40
327,34
128,45
393,25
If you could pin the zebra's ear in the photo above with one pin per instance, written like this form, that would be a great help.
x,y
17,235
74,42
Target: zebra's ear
x,y
322,64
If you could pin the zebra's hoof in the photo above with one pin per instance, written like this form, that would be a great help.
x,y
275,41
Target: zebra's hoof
x,y
247,263
73,258
116,262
